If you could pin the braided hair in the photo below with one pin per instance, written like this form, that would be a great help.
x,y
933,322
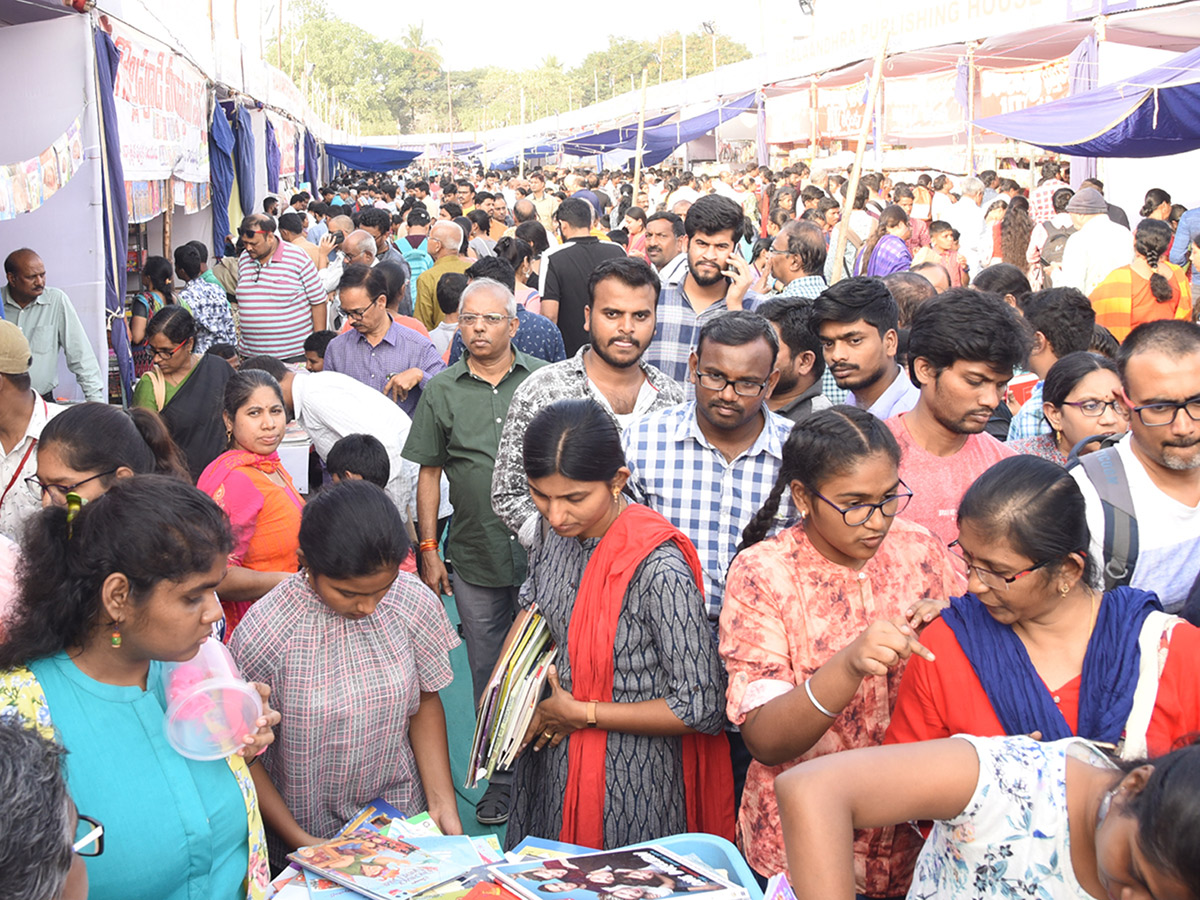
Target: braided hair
x,y
826,444
1150,241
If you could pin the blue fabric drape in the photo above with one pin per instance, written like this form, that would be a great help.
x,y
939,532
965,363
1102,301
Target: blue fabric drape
x,y
1154,113
373,159
1022,701
243,159
310,161
116,213
274,156
1082,68
220,167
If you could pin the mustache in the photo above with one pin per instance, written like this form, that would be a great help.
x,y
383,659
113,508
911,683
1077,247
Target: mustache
x,y
631,340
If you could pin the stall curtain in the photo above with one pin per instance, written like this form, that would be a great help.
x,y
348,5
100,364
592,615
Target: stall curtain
x,y
220,164
274,157
243,160
116,213
310,160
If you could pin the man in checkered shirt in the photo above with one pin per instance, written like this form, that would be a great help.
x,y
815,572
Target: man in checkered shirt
x,y
707,465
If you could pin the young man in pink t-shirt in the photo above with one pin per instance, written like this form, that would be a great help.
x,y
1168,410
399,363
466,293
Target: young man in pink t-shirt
x,y
962,347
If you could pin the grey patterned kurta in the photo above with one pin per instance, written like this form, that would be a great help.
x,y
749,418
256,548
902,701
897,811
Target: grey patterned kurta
x,y
664,648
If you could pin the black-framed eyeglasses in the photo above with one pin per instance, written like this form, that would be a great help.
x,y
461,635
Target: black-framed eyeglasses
x,y
775,251
357,314
718,383
1094,409
860,513
251,232
89,837
994,580
491,319
58,492
1157,414
160,353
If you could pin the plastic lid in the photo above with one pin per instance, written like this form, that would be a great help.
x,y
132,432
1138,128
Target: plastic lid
x,y
209,719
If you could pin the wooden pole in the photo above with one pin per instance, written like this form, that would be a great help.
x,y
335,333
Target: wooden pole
x,y
521,171
279,39
856,171
970,109
815,125
450,116
168,211
637,160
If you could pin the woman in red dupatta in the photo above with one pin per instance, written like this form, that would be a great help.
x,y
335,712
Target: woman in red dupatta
x,y
249,482
628,746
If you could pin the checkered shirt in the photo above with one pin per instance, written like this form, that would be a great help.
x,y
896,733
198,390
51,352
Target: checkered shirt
x,y
678,473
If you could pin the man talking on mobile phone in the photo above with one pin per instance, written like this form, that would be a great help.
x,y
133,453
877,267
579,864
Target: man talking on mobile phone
x,y
718,281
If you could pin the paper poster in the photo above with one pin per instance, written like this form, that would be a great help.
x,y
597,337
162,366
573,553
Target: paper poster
x,y
7,210
75,142
33,182
62,152
48,162
20,188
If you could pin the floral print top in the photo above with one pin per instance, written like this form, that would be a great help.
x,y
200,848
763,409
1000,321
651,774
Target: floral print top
x,y
1012,841
787,611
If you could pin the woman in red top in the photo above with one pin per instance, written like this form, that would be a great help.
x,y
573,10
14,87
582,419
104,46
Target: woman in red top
x,y
1033,648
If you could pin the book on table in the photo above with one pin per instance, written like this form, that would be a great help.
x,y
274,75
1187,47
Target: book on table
x,y
644,873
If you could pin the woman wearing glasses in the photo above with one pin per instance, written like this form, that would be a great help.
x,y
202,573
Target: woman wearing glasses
x,y
818,621
98,615
1080,399
184,387
1032,648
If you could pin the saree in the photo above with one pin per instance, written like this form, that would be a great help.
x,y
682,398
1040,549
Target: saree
x,y
193,413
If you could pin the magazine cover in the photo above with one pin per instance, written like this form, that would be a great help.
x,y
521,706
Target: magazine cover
x,y
648,873
370,864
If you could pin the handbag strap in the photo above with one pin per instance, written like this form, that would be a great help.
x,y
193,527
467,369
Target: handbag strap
x,y
1158,625
159,383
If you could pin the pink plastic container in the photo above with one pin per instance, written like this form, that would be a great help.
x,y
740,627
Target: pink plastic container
x,y
210,708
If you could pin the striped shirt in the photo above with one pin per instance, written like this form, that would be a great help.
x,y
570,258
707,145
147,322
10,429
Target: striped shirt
x,y
275,301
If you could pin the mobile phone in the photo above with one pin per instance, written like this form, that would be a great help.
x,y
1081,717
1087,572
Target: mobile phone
x,y
338,237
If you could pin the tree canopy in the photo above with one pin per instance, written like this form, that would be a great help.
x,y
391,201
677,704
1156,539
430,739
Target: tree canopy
x,y
393,86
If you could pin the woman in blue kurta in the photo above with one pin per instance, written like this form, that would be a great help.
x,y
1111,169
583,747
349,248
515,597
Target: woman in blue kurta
x,y
108,593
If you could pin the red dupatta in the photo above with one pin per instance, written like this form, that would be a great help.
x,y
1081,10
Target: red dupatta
x,y
707,772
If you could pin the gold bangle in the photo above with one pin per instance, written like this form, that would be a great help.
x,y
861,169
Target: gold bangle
x,y
591,714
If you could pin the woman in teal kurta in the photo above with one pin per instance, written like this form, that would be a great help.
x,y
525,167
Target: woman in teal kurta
x,y
98,615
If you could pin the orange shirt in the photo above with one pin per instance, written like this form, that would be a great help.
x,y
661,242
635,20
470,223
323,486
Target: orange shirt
x,y
1123,300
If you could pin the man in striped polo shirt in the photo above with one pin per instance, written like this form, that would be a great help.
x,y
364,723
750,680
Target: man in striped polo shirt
x,y
280,299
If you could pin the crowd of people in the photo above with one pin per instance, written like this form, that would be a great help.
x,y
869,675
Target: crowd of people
x,y
747,442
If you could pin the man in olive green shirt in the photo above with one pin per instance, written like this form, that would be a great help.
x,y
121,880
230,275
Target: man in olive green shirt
x,y
456,428
443,244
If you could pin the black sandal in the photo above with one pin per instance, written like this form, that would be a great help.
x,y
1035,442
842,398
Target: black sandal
x,y
492,808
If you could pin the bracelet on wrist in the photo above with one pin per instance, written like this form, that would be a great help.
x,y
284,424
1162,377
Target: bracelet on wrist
x,y
815,702
430,544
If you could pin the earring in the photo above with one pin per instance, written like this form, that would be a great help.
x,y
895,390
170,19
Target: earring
x,y
116,635
1064,589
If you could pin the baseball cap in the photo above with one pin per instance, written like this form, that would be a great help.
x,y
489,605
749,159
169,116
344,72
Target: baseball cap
x,y
15,358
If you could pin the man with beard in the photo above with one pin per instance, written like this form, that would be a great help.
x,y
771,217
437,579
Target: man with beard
x,y
708,465
717,281
666,239
962,348
1160,463
857,321
611,369
798,393
456,428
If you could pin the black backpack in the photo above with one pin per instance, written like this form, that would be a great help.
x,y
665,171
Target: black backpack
x,y
1106,472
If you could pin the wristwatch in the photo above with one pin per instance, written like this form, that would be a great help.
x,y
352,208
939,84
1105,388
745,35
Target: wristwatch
x,y
591,714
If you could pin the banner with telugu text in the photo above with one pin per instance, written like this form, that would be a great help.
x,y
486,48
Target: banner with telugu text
x,y
1009,90
162,104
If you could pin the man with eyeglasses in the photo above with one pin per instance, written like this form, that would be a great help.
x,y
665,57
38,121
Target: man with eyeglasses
x,y
23,415
708,465
797,260
378,351
1159,466
280,299
456,429
44,838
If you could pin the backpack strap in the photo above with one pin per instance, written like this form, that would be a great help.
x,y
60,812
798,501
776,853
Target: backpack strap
x,y
1107,475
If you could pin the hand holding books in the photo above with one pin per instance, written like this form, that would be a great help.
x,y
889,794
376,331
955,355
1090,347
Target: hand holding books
x,y
556,717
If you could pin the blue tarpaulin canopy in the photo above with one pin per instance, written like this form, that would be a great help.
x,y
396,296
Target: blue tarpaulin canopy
x,y
370,159
1155,113
600,141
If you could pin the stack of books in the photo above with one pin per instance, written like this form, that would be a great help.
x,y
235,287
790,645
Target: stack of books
x,y
511,697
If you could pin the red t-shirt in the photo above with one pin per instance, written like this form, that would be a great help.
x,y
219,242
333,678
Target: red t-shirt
x,y
944,698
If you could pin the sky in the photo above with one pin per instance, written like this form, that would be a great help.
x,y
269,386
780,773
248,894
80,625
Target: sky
x,y
522,41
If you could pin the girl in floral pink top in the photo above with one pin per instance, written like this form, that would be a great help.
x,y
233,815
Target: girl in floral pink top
x,y
818,621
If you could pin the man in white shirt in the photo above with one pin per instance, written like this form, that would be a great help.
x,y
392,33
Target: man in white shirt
x,y
1160,373
23,415
967,217
1098,246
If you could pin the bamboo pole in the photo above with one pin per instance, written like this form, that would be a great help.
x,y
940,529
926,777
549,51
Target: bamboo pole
x,y
637,160
856,171
970,109
815,124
